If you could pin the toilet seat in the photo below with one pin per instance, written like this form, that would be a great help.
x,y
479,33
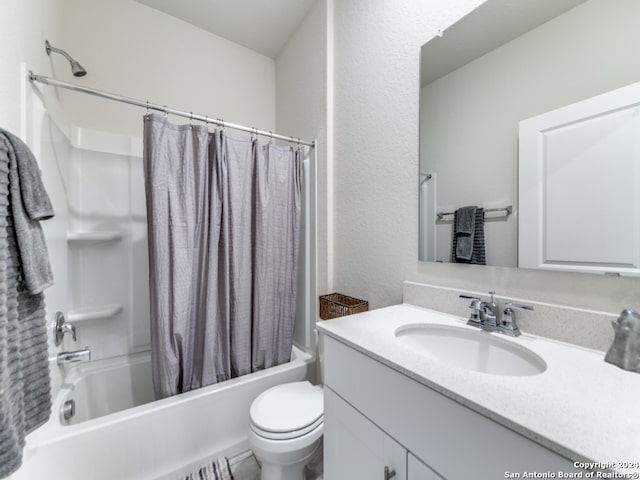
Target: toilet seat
x,y
287,435
287,411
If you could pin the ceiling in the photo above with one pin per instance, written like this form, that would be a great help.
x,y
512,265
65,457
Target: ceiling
x,y
492,24
261,25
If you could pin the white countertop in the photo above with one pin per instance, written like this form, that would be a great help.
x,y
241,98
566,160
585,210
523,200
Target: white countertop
x,y
580,407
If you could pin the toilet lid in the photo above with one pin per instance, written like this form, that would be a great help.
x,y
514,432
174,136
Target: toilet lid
x,y
287,407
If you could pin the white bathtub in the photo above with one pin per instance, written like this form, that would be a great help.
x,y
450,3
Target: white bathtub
x,y
120,433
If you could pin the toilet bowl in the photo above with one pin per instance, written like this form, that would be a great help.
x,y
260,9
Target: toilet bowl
x,y
285,428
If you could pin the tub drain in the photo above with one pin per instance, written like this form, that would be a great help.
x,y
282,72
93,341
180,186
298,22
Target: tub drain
x,y
68,410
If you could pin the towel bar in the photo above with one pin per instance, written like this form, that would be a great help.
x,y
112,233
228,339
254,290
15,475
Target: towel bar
x,y
508,209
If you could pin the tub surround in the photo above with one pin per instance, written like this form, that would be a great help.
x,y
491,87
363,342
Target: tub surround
x,y
576,408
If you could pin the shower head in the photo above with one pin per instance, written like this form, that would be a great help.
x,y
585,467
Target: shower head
x,y
76,68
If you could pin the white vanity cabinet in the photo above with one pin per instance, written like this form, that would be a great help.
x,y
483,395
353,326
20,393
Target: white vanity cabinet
x,y
376,416
416,470
355,448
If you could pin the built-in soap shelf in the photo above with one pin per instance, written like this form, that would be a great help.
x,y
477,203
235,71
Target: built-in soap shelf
x,y
93,237
98,312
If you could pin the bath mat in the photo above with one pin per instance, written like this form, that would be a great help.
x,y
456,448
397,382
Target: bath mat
x,y
218,470
246,467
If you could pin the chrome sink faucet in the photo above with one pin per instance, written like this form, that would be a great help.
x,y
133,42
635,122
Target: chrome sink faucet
x,y
483,315
487,315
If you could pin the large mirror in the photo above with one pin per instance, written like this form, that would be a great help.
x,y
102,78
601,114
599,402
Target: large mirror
x,y
504,63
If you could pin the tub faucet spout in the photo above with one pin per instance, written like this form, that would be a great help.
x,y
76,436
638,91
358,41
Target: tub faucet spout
x,y
75,356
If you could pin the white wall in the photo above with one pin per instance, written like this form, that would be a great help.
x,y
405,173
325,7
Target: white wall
x,y
24,26
377,45
469,118
301,88
136,51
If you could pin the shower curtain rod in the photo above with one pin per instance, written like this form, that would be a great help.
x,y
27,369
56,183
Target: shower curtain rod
x,y
163,108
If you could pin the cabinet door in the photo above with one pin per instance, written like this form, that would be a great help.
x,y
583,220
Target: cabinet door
x,y
354,447
578,169
416,470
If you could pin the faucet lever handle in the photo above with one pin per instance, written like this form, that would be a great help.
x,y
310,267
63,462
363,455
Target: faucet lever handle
x,y
476,302
518,306
470,297
477,315
508,325
73,332
60,327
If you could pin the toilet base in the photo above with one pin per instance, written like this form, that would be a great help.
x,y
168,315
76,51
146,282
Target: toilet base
x,y
291,471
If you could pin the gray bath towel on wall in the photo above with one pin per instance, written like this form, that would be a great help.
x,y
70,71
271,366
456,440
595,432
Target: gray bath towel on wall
x,y
25,402
210,250
467,240
29,204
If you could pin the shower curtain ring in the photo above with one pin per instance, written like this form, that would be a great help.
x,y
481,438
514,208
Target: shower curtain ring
x,y
166,114
190,119
148,108
206,120
270,137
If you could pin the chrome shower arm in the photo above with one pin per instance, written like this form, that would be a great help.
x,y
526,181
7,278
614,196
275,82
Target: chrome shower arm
x,y
77,69
50,49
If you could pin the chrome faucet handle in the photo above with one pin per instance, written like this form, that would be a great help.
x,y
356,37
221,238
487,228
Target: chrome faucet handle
x,y
477,314
518,306
60,327
508,325
469,297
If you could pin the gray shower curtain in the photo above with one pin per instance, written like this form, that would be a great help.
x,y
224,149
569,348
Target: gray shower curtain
x,y
223,218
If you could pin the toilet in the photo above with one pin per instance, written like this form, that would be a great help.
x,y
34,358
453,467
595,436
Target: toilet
x,y
285,428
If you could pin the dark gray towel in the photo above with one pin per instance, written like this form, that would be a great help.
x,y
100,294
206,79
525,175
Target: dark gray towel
x,y
464,231
25,390
29,204
478,256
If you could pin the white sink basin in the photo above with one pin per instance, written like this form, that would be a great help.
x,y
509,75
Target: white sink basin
x,y
470,349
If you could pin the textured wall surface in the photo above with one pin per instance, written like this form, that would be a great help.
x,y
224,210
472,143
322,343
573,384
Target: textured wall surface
x,y
137,51
24,26
301,100
376,50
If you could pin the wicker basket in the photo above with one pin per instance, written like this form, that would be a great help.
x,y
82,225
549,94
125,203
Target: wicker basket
x,y
337,305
